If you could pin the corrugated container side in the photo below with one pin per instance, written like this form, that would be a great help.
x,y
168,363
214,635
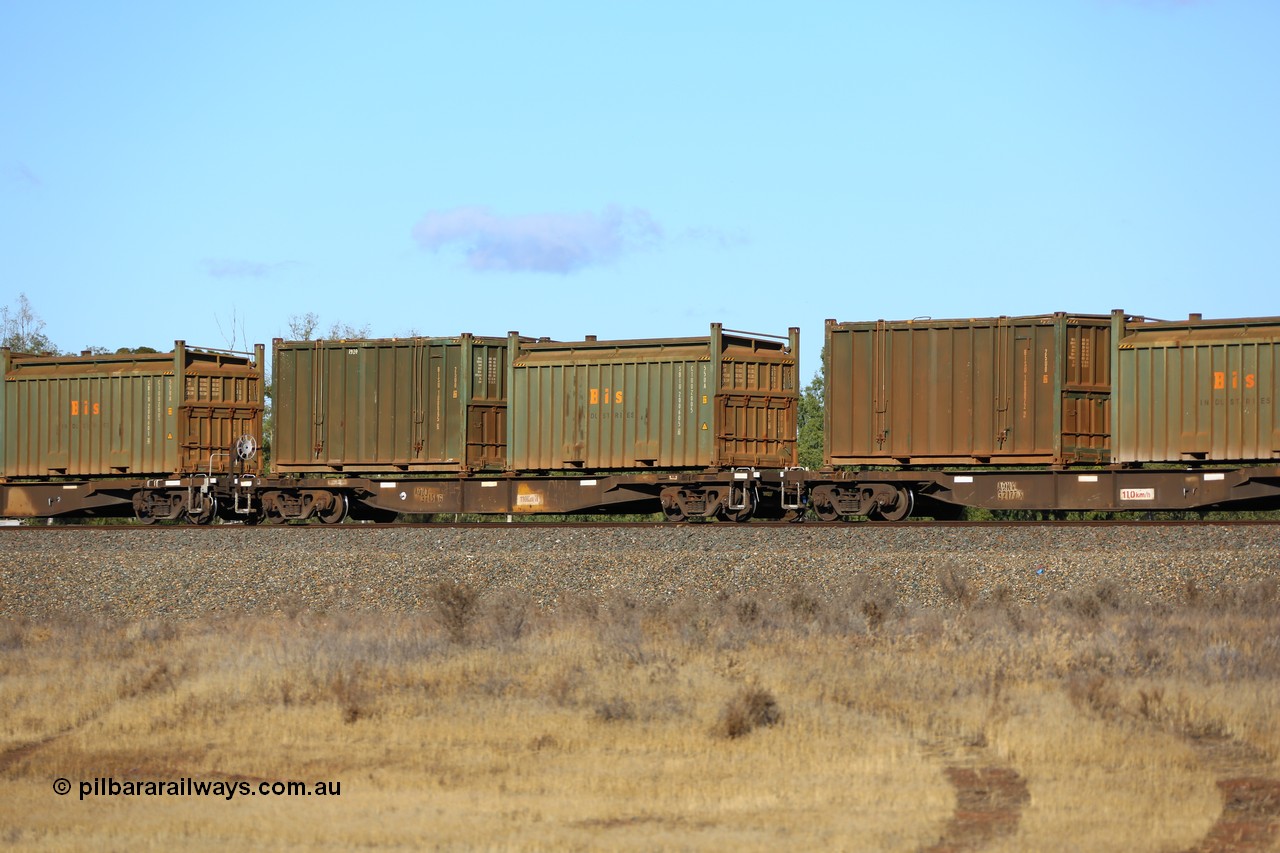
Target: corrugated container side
x,y
1198,390
129,414
411,404
726,399
625,406
1010,389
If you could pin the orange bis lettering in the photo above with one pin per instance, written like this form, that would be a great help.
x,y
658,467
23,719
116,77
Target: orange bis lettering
x,y
1220,380
596,396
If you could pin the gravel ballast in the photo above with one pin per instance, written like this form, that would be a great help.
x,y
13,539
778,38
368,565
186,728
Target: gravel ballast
x,y
230,570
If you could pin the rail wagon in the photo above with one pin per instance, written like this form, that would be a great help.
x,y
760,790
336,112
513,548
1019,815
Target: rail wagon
x,y
129,415
1048,412
158,435
725,400
391,405
1197,391
1001,390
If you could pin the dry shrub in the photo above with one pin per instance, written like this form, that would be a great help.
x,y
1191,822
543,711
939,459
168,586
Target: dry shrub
x,y
348,688
1096,693
804,606
1111,594
1107,597
863,605
544,741
874,613
614,710
620,635
151,631
1259,598
692,621
457,605
291,605
580,607
1151,704
12,635
750,709
747,610
148,678
509,616
955,585
564,686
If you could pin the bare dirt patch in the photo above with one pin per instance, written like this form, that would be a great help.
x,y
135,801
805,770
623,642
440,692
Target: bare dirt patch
x,y
989,803
1250,818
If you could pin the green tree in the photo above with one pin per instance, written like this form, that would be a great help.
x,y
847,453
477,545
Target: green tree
x,y
120,351
22,330
810,418
348,332
303,327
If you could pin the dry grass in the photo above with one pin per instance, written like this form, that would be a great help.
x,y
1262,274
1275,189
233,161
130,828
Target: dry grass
x,y
808,722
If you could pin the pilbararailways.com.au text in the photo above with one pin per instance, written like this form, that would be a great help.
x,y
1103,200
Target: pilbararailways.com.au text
x,y
188,787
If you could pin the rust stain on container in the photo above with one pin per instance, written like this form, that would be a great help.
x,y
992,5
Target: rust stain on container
x,y
1014,390
395,404
1198,390
129,414
727,399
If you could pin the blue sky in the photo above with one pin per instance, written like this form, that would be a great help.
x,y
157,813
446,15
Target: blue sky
x,y
626,169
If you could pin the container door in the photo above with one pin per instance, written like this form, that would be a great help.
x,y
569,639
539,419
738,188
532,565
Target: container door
x,y
756,410
1084,353
756,430
214,411
486,410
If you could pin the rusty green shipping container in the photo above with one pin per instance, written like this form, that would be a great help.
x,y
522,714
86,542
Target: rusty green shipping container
x,y
138,415
728,399
1198,390
397,404
1013,390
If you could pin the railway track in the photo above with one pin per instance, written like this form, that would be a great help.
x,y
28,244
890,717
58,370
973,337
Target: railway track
x,y
141,572
626,525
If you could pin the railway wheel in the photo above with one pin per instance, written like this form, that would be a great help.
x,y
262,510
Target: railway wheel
x,y
824,504
740,513
205,513
336,512
741,504
672,501
900,509
150,507
273,504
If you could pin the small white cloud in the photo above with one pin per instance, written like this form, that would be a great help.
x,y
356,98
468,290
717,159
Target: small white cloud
x,y
549,242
